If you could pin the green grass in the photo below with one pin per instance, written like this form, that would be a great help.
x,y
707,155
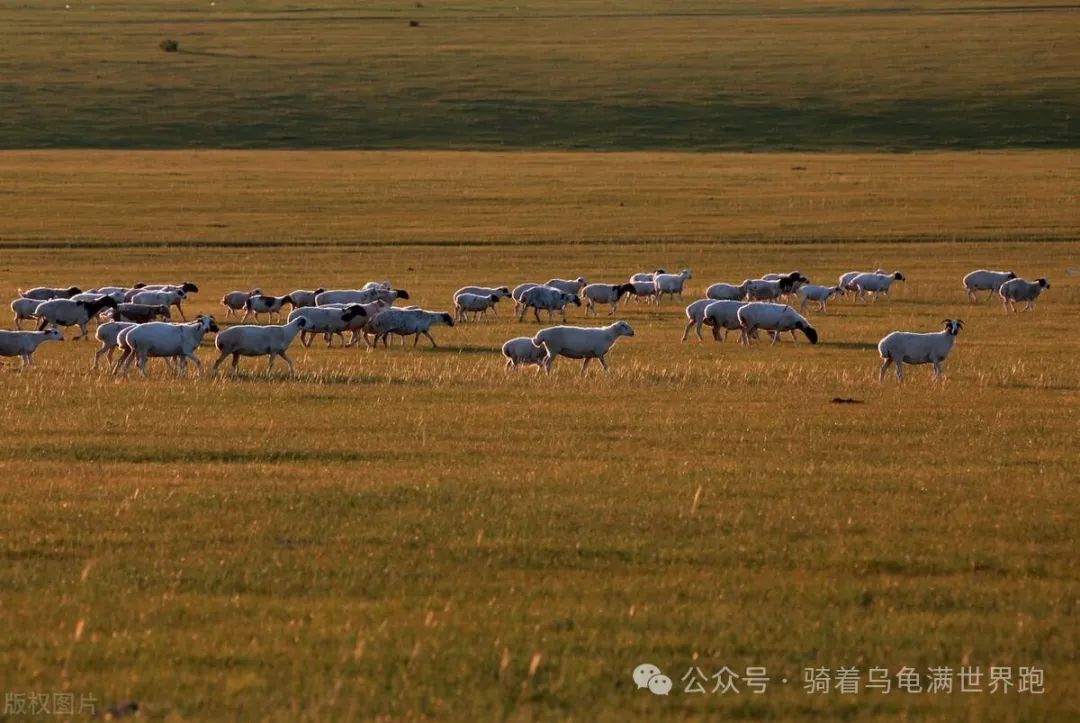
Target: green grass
x,y
628,75
404,534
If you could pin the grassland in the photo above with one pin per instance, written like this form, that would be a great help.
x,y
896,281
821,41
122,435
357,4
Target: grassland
x,y
414,534
544,74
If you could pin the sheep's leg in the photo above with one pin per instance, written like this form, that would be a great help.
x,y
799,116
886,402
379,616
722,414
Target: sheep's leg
x,y
194,359
603,361
181,310
686,330
97,355
937,371
82,328
142,366
270,363
509,364
899,370
283,355
884,368
219,360
27,359
792,332
121,364
585,365
18,322
536,313
523,310
433,344
563,314
43,324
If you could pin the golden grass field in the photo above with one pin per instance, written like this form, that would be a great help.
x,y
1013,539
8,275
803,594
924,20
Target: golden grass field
x,y
412,534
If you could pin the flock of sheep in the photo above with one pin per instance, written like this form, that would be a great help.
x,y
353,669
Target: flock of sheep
x,y
137,320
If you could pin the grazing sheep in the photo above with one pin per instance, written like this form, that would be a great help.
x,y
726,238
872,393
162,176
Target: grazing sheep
x,y
645,290
546,297
876,284
846,278
818,293
44,293
695,317
906,347
604,294
140,313
360,296
236,301
723,316
646,275
262,304
271,341
23,344
158,297
568,286
1021,290
727,292
503,292
578,342
328,320
518,292
476,303
303,297
406,322
985,280
162,339
109,336
65,312
671,284
24,309
774,318
523,352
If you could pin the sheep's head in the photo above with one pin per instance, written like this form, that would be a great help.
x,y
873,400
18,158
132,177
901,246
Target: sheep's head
x,y
72,290
809,331
302,322
837,290
287,299
181,294
685,273
352,311
54,334
401,293
623,328
624,289
504,292
446,318
1011,275
494,298
899,276
189,288
1044,283
138,285
255,292
953,326
573,299
319,290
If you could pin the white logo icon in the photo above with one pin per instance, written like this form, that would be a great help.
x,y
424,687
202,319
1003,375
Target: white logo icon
x,y
649,676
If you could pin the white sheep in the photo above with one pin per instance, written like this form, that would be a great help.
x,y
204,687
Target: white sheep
x,y
44,293
727,292
263,304
155,297
548,298
304,297
568,286
65,312
765,290
906,347
723,316
986,280
272,341
23,344
109,336
645,290
1020,290
773,318
360,296
519,291
359,324
523,352
818,293
844,282
408,322
695,317
328,320
24,309
671,284
578,342
236,301
162,339
503,292
604,294
479,304
876,284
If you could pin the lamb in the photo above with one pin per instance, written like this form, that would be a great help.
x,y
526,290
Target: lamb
x,y
23,344
523,352
162,339
44,293
156,297
671,284
1021,290
477,303
568,286
820,294
604,294
905,347
846,278
695,317
775,318
65,312
273,341
577,342
546,297
876,284
984,280
25,310
109,336
262,304
328,320
723,316
140,313
727,292
408,321
236,301
503,292
360,296
303,297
